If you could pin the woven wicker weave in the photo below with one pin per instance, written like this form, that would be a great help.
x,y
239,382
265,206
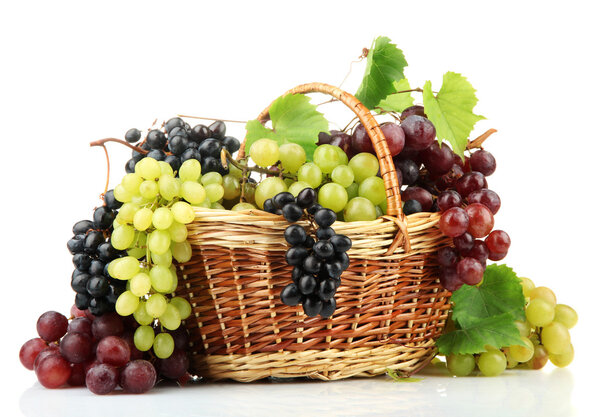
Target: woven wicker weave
x,y
390,305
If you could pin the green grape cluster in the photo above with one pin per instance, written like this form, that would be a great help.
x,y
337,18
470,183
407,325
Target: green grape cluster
x,y
351,188
545,336
151,227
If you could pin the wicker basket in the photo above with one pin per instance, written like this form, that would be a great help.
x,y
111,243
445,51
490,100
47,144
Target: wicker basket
x,y
390,305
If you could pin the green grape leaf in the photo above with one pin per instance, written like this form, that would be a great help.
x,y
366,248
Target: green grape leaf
x,y
497,331
397,102
500,292
385,64
451,110
294,120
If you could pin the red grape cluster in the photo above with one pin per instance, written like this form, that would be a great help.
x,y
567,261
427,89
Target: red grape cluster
x,y
98,352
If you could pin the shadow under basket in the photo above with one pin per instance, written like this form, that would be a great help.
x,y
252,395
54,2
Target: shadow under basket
x,y
390,306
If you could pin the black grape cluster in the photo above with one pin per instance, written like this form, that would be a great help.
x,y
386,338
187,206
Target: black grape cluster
x,y
177,141
92,252
318,263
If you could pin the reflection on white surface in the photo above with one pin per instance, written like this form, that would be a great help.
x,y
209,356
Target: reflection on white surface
x,y
515,393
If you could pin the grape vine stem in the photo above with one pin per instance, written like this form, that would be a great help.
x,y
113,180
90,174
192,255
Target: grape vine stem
x,y
101,142
243,168
212,118
478,141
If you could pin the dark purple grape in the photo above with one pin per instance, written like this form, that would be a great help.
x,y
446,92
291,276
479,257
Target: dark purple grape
x,y
232,144
156,139
324,233
294,235
448,180
479,251
102,379
133,135
449,279
307,284
292,212
291,295
178,145
323,249
157,154
174,161
107,325
100,305
328,308
324,138
484,162
82,226
326,289
93,239
199,133
420,194
438,160
51,326
295,256
130,166
175,366
334,268
312,305
311,264
75,244
314,208
344,259
269,206
82,301
419,132
325,217
111,202
447,256
217,129
411,207
409,170
341,243
306,198
282,199
210,164
193,153
464,243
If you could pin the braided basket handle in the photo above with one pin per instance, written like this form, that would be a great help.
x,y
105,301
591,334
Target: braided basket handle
x,y
386,163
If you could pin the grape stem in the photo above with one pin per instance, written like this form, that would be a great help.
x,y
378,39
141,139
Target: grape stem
x,y
101,142
478,141
417,90
212,118
244,168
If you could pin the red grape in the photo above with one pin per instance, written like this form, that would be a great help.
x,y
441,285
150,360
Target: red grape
x,y
361,142
134,352
464,243
437,159
101,379
344,141
75,312
469,271
486,197
30,350
77,378
53,371
448,199
50,350
449,178
484,162
479,251
138,377
481,220
76,347
323,138
423,196
498,241
175,366
496,256
419,132
113,350
107,325
409,170
471,181
449,279
394,137
412,110
51,326
454,222
181,338
80,325
447,256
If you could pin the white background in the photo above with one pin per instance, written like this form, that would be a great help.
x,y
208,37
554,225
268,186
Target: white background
x,y
73,72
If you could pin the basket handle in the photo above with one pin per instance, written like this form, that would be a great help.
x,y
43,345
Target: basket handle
x,y
386,163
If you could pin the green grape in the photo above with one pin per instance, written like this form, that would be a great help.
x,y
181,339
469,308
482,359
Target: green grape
x,y
122,237
182,251
183,306
183,212
163,344
140,284
231,187
556,338
522,353
563,359
142,219
121,194
378,211
527,285
139,200
168,187
543,293
510,361
540,357
127,212
383,206
288,182
143,338
327,158
205,204
217,206
235,171
296,187
264,152
161,279
165,168
174,280
249,190
342,157
193,192
170,319
162,218
159,241
539,312
212,178
156,305
268,188
190,170
311,174
524,328
460,365
149,189
343,175
124,268
352,190
492,362
292,156
136,252
333,196
178,232
127,303
373,189
364,165
148,168
166,259
131,182
214,192
243,206
565,315
359,209
141,315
